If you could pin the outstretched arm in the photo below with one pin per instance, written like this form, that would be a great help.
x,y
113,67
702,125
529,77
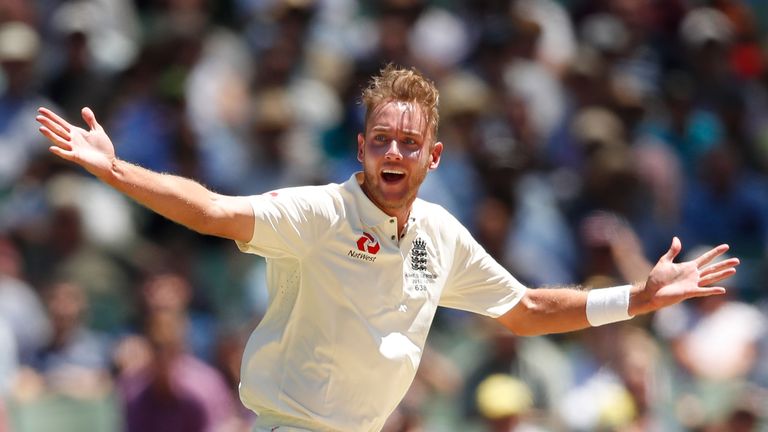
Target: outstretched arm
x,y
179,199
543,311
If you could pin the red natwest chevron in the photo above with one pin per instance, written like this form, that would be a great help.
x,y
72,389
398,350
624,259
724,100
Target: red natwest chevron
x,y
367,243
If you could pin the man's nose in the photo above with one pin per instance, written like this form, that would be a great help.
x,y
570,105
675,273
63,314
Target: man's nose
x,y
393,152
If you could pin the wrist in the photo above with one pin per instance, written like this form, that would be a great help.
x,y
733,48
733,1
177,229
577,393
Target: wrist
x,y
608,305
638,301
112,171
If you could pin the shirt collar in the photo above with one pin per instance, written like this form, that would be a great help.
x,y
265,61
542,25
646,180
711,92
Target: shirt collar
x,y
369,213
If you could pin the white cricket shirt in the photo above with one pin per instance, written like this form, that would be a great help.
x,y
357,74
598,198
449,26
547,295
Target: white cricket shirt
x,y
350,304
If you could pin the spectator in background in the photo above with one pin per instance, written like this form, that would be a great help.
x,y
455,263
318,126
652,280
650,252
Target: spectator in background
x,y
9,362
722,182
597,398
75,360
438,376
537,363
640,367
174,391
230,344
86,223
20,306
79,77
170,292
280,150
4,423
505,404
19,50
464,100
682,124
748,413
142,111
715,346
608,180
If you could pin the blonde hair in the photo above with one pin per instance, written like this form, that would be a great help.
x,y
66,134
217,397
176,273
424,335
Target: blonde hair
x,y
404,85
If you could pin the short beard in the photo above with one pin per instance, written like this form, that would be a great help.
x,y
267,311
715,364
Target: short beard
x,y
374,194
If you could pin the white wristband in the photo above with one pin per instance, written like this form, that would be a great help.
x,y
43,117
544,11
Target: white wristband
x,y
607,305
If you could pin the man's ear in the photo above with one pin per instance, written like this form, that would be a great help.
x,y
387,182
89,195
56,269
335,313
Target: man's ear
x,y
434,155
360,147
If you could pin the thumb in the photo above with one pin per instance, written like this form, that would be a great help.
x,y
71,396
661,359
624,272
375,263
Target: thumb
x,y
90,118
674,249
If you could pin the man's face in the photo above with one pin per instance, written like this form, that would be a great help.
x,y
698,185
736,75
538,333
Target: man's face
x,y
396,152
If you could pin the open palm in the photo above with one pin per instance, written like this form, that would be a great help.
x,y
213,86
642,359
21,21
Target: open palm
x,y
91,149
669,282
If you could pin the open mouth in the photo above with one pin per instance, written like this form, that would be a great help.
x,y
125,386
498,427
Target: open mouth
x,y
392,176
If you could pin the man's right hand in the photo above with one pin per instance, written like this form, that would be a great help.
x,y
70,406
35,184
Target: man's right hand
x,y
179,199
92,149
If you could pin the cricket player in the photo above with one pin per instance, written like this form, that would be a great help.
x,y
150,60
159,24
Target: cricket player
x,y
357,270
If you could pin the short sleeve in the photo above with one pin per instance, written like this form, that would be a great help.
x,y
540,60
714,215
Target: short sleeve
x,y
477,282
289,222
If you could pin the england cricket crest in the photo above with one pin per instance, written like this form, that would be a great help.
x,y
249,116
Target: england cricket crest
x,y
421,278
419,255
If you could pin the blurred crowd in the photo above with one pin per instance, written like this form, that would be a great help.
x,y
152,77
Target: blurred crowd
x,y
580,136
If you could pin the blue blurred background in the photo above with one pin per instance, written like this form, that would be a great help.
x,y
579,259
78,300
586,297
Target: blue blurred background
x,y
580,136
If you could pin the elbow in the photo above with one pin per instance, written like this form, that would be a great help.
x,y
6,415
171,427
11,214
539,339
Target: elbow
x,y
225,217
198,223
205,226
205,220
523,319
212,222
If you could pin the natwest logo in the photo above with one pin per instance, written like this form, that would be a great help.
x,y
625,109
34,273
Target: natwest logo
x,y
368,243
367,247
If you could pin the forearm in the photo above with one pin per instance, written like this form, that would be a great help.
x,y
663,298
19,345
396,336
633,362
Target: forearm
x,y
560,310
548,310
179,199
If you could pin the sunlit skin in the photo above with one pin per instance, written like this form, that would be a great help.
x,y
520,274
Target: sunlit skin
x,y
397,150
